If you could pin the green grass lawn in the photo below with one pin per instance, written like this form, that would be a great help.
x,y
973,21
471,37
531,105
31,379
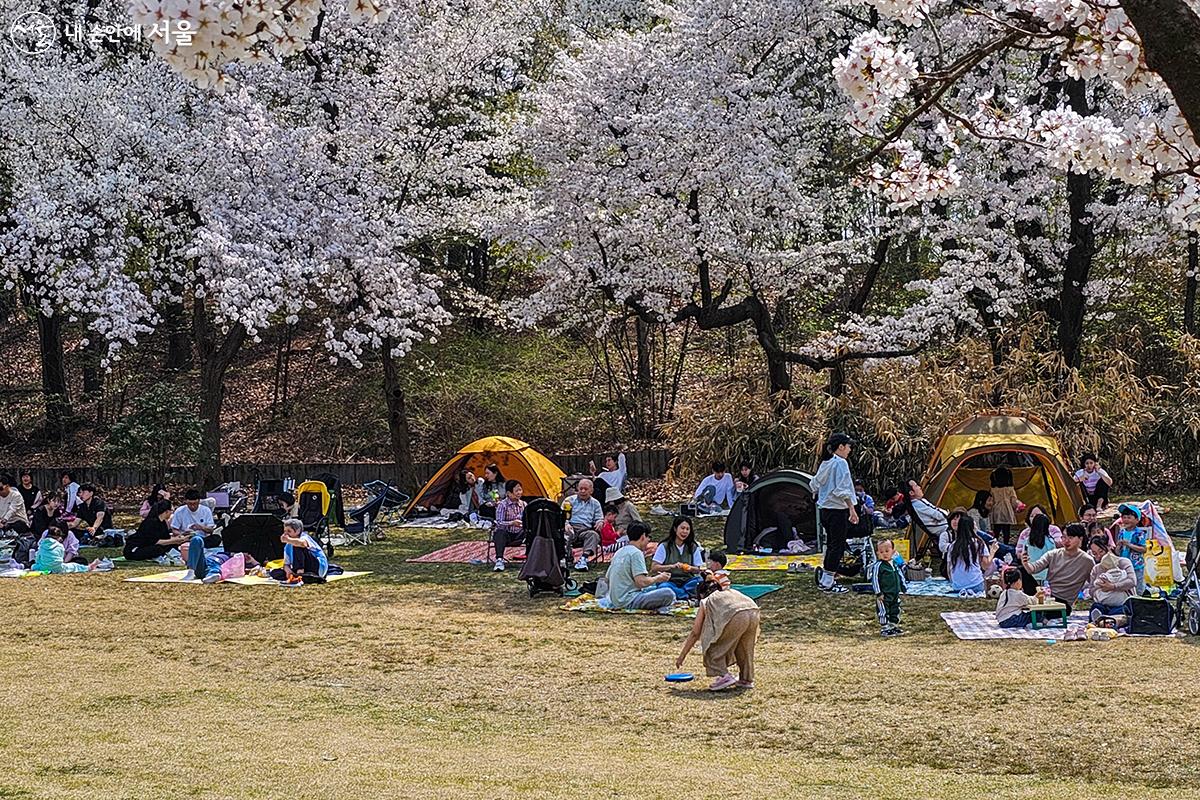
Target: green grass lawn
x,y
433,681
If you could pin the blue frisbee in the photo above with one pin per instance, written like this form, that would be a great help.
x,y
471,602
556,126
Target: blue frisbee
x,y
680,677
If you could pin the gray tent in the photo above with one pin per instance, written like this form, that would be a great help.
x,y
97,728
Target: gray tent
x,y
781,498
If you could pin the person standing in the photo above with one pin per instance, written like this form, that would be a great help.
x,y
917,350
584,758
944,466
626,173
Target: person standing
x,y
836,499
726,626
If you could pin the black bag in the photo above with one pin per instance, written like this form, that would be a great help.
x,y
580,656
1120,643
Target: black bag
x,y
1151,617
24,547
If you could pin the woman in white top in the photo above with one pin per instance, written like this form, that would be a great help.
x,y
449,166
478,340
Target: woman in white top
x,y
834,489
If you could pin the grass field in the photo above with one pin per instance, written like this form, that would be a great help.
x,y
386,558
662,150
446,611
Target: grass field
x,y
448,682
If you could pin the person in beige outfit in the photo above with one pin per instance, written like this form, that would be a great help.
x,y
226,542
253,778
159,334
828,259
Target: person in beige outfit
x,y
727,628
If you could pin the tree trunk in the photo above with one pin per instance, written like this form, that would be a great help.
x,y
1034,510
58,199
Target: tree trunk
x,y
179,339
1189,295
93,375
1083,246
643,384
1170,33
55,392
216,354
397,417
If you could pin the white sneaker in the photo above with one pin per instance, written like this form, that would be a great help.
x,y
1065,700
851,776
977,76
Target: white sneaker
x,y
189,576
582,564
499,565
211,577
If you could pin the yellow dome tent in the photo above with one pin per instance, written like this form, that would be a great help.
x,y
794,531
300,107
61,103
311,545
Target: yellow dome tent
x,y
967,453
539,476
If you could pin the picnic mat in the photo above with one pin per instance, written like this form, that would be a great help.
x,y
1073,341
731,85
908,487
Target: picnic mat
x,y
972,625
755,590
472,553
589,604
771,562
176,576
934,587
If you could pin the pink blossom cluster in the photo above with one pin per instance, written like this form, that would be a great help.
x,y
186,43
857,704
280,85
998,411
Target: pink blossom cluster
x,y
874,73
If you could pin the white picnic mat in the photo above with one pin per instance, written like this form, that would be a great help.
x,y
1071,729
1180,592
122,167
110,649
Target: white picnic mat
x,y
973,625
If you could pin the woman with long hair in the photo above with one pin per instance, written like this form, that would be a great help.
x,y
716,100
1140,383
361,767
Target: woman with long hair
x,y
964,552
489,491
834,489
1035,541
157,492
981,510
460,495
681,555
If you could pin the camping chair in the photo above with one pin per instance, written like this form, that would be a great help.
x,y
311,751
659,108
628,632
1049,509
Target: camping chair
x,y
363,520
394,501
313,502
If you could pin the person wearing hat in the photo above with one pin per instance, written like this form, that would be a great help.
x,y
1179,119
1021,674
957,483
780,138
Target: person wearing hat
x,y
834,489
1131,541
627,512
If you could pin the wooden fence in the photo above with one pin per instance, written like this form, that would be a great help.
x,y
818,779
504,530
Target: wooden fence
x,y
640,463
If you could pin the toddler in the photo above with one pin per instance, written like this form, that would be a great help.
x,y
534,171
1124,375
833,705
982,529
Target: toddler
x,y
888,581
1012,607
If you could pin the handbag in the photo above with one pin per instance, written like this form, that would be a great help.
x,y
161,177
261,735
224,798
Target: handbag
x,y
1151,617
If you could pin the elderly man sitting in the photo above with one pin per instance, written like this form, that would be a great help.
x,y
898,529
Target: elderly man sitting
x,y
584,518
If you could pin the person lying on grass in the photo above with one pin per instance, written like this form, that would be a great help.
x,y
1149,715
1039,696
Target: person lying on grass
x,y
206,566
50,553
727,628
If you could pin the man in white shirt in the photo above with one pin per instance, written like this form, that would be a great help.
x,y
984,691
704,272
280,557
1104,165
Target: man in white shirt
x,y
614,473
194,517
715,490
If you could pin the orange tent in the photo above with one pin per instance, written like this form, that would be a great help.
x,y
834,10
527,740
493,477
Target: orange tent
x,y
539,476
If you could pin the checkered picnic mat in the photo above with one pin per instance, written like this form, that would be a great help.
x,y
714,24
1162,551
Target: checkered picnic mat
x,y
974,625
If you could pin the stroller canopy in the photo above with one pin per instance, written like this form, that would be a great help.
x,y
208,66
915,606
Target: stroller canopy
x,y
964,458
785,491
539,476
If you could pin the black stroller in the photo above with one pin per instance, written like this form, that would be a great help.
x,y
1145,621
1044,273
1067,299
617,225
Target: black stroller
x,y
547,566
1189,590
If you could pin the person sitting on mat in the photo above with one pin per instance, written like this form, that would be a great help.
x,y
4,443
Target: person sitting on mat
x,y
303,559
193,517
726,626
629,582
489,491
91,514
157,492
1012,607
716,563
967,557
50,554
14,516
627,512
508,521
1068,568
715,490
676,554
153,538
1113,580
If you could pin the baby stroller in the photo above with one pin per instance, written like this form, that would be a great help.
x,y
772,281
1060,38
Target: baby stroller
x,y
1189,590
547,567
312,508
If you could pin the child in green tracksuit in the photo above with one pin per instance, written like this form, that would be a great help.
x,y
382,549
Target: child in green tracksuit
x,y
888,582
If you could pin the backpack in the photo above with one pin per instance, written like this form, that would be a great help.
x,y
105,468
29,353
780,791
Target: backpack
x,y
24,548
1151,617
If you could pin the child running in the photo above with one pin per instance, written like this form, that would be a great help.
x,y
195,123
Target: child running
x,y
888,582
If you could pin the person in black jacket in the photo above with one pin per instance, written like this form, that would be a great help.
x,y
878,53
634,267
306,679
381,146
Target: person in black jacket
x,y
153,537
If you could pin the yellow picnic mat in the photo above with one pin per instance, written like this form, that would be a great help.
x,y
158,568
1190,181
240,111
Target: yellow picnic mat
x,y
588,603
258,580
174,576
771,562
